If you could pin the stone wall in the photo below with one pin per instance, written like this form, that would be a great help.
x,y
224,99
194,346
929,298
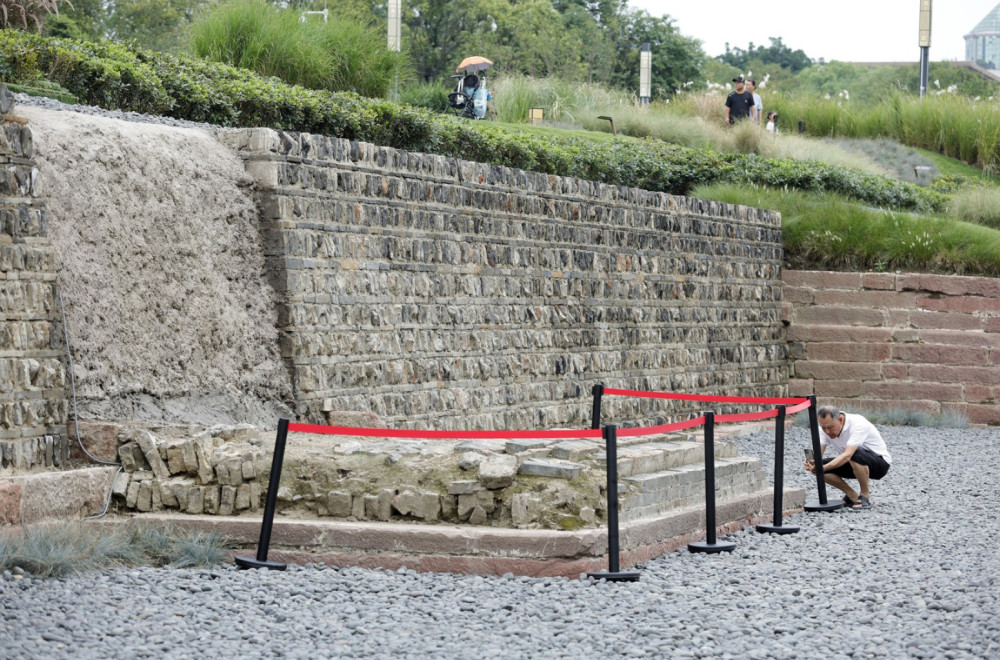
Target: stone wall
x,y
441,293
32,375
882,340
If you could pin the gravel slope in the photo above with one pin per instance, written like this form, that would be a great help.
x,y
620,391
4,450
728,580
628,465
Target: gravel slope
x,y
915,576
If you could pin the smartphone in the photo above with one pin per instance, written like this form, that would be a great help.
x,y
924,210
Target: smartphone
x,y
809,454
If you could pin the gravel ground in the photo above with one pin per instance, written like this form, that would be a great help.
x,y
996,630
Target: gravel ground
x,y
915,576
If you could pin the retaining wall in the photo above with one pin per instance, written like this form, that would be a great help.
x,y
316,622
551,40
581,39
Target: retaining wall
x,y
883,340
32,375
442,293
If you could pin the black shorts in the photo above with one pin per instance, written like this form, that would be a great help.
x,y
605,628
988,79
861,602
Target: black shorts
x,y
877,467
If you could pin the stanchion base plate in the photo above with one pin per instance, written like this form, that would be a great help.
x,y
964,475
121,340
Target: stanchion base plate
x,y
829,506
252,562
705,546
620,576
777,529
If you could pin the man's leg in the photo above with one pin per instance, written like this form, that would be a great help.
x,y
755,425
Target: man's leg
x,y
838,482
861,472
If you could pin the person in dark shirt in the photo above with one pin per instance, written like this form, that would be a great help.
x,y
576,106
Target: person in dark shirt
x,y
739,103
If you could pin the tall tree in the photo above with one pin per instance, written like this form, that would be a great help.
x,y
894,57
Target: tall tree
x,y
676,59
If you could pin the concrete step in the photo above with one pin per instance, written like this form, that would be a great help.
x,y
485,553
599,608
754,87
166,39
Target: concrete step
x,y
653,457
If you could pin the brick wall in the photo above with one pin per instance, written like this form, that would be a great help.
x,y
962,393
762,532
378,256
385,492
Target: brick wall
x,y
928,342
32,376
442,293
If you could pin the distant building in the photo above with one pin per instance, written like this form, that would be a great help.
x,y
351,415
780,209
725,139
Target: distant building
x,y
982,45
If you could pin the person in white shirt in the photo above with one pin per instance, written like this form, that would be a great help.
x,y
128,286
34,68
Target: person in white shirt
x,y
861,454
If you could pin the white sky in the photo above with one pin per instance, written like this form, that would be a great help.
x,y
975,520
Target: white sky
x,y
845,30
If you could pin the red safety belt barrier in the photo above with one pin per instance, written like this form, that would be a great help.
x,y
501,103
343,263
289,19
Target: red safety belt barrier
x,y
706,397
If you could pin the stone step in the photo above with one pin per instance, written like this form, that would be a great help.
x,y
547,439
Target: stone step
x,y
67,494
651,494
653,457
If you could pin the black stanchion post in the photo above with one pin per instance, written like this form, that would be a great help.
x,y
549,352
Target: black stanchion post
x,y
595,413
611,452
261,561
779,479
710,544
822,505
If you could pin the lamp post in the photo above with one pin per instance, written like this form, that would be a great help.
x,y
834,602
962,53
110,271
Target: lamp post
x,y
925,44
645,73
394,40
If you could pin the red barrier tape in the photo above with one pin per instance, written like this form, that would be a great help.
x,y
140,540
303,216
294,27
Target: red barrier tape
x,y
561,434
663,428
445,435
705,397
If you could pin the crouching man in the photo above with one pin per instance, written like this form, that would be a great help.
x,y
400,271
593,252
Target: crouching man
x,y
861,454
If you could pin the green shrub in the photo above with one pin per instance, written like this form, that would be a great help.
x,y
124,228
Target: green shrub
x,y
430,96
339,55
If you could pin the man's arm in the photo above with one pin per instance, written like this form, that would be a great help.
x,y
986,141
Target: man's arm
x,y
844,457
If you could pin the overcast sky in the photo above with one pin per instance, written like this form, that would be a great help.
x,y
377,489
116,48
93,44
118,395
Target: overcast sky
x,y
845,30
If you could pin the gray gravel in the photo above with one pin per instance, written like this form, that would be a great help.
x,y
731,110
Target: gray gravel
x,y
915,576
52,104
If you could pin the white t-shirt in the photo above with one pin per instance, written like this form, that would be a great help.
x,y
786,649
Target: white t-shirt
x,y
857,432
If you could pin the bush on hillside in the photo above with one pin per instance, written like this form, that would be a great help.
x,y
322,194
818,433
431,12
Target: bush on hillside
x,y
115,77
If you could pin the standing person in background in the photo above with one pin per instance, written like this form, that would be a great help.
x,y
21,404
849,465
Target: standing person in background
x,y
772,122
739,104
861,454
758,104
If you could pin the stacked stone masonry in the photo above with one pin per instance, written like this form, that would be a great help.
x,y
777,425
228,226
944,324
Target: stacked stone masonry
x,y
906,341
435,292
32,373
525,484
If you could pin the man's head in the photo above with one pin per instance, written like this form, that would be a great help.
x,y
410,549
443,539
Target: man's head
x,y
740,83
831,420
751,85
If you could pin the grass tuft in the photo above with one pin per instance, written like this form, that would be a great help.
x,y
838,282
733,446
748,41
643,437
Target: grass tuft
x,y
55,551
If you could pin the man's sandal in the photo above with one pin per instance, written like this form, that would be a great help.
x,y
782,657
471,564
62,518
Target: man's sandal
x,y
849,503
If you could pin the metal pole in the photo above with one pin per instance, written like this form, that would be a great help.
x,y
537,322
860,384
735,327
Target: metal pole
x,y
924,70
595,411
822,505
611,467
710,544
779,479
270,502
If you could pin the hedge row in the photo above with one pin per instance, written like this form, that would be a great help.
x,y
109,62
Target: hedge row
x,y
113,76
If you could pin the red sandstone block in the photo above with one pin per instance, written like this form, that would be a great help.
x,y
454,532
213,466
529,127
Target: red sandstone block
x,y
836,370
800,295
10,503
951,285
959,338
849,352
787,312
800,386
913,390
983,414
963,304
947,374
940,354
945,321
991,324
867,299
895,371
838,388
980,393
821,279
838,333
881,281
838,316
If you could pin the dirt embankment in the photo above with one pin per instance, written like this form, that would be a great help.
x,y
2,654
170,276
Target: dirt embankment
x,y
161,270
